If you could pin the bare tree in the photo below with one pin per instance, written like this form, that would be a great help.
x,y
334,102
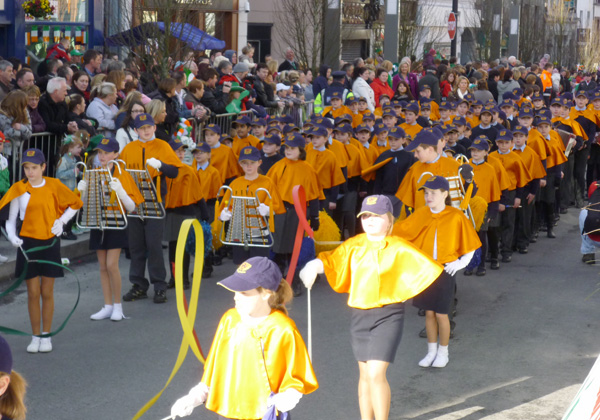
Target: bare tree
x,y
531,31
589,54
301,25
562,32
419,24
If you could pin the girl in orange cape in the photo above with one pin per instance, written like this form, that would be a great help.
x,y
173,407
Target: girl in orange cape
x,y
444,233
258,360
379,272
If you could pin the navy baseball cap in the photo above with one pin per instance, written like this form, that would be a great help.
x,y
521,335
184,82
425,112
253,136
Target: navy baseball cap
x,y
425,105
249,153
317,131
142,120
568,95
526,112
504,135
362,127
362,99
413,106
520,129
376,204
480,143
459,121
273,138
176,143
288,128
581,93
487,109
595,95
338,74
517,92
368,116
253,273
295,140
424,137
324,122
286,119
445,105
542,119
35,156
509,95
424,87
242,120
343,118
272,119
397,133
225,136
379,128
449,128
477,103
537,96
202,147
337,95
214,128
556,101
273,129
544,112
436,183
389,112
343,128
351,100
259,122
108,144
6,360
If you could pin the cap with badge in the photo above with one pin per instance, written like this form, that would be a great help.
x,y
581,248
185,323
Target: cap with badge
x,y
480,143
351,100
337,95
424,87
295,140
362,99
445,106
424,137
225,136
202,147
526,112
214,128
544,112
362,127
274,129
537,96
509,95
272,138
259,122
413,106
519,129
504,135
397,133
249,153
253,273
143,120
35,156
389,112
425,105
368,116
542,119
108,144
343,128
595,95
324,122
459,121
288,128
317,131
176,144
518,92
272,119
376,204
580,93
507,103
556,102
343,118
449,128
379,128
243,120
487,109
436,183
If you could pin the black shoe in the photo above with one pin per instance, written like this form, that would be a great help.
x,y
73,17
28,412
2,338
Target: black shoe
x,y
186,284
423,333
297,287
171,284
468,272
160,296
69,236
506,258
524,250
543,229
217,260
533,239
480,271
564,211
207,271
494,265
135,293
421,312
551,234
589,259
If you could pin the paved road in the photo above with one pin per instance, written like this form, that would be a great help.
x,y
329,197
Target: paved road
x,y
526,338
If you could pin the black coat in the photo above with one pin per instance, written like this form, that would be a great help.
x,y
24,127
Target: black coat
x,y
264,94
172,119
215,100
55,115
433,82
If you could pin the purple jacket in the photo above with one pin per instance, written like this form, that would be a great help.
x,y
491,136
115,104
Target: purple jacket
x,y
412,81
37,122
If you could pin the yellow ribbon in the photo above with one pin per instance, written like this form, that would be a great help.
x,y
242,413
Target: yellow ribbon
x,y
158,196
187,320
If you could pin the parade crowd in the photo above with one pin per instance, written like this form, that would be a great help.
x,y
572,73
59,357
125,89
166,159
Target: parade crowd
x,y
423,169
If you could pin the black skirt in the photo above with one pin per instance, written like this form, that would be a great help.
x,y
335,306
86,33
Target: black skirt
x,y
51,254
376,332
286,226
108,239
438,297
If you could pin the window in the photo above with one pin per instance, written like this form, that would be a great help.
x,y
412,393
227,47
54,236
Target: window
x,y
70,10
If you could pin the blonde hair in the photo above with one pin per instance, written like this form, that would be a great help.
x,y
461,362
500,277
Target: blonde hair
x,y
11,403
280,297
97,80
155,107
103,90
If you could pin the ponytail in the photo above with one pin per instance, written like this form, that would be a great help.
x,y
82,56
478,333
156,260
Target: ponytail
x,y
281,296
11,402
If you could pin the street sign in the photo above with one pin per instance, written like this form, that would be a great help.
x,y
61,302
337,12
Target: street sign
x,y
452,25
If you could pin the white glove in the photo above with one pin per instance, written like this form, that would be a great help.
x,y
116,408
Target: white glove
x,y
452,267
225,215
82,186
286,400
184,406
57,227
308,274
154,163
15,241
263,210
116,186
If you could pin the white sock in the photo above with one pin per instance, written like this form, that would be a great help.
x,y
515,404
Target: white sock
x,y
35,338
108,307
44,334
116,305
443,350
432,347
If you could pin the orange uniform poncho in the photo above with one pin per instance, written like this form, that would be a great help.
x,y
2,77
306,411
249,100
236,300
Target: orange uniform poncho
x,y
327,167
245,188
46,204
136,153
378,273
239,144
183,190
517,171
236,373
287,173
210,181
456,235
486,179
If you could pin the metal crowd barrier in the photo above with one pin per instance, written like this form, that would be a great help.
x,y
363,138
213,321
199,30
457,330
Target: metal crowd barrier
x,y
48,143
299,112
222,120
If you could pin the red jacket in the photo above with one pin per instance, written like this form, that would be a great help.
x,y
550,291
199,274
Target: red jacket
x,y
57,51
380,87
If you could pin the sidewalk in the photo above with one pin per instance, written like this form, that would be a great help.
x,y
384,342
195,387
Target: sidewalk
x,y
69,249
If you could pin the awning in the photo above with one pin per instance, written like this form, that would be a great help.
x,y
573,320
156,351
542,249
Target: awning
x,y
195,38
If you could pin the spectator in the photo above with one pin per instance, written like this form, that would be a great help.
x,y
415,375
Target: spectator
x,y
273,65
320,81
92,60
117,78
289,63
214,98
24,79
430,79
179,100
507,84
81,82
126,132
428,59
166,93
54,110
102,108
462,89
482,93
587,84
305,82
65,72
224,68
448,83
493,79
264,97
158,110
6,77
14,121
33,99
246,57
349,69
231,55
380,85
60,51
403,92
76,106
405,74
361,88
97,80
